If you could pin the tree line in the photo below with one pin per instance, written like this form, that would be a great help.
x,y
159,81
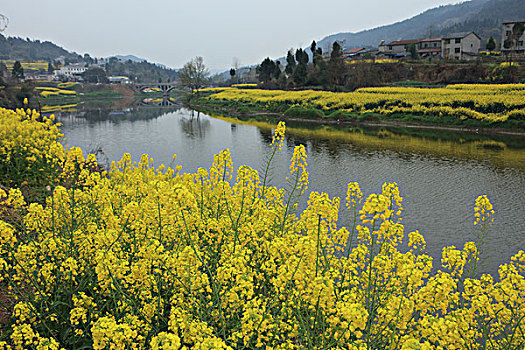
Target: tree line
x,y
304,69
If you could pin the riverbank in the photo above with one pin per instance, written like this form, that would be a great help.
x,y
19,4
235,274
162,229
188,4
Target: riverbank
x,y
478,108
368,120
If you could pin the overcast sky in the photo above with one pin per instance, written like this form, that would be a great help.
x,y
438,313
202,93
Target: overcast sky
x,y
172,32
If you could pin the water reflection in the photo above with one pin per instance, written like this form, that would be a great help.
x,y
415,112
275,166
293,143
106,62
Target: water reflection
x,y
193,126
163,101
439,173
94,116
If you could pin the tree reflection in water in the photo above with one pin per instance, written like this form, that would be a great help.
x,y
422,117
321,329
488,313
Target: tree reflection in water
x,y
194,127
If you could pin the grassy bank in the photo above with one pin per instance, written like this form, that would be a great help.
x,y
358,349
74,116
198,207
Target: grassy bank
x,y
146,257
476,106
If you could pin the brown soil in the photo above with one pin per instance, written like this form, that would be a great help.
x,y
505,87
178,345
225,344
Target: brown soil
x,y
6,302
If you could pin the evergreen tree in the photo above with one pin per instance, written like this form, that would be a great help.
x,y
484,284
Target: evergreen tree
x,y
491,44
301,56
232,74
277,70
18,71
300,73
95,75
268,70
413,51
336,65
317,56
337,51
313,49
290,63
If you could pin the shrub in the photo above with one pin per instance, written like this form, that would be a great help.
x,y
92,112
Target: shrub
x,y
303,112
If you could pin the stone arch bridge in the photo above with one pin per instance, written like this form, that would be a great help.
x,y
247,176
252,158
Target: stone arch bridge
x,y
160,87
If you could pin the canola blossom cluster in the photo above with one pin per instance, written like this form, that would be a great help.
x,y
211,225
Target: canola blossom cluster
x,y
140,257
46,91
490,102
30,149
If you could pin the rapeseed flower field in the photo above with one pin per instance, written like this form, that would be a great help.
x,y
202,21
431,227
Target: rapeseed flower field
x,y
490,103
28,66
52,91
144,257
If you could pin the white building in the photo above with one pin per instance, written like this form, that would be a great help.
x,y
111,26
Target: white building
x,y
460,46
119,80
71,70
508,42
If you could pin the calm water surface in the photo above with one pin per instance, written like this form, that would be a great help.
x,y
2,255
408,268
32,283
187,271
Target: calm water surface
x,y
439,175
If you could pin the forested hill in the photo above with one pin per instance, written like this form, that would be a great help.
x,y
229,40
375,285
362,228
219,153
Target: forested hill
x,y
27,50
481,16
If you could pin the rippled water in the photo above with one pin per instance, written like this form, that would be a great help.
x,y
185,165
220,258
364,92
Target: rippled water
x,y
439,174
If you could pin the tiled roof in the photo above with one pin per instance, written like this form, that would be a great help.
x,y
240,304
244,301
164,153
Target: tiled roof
x,y
459,35
432,49
353,51
430,39
403,42
514,21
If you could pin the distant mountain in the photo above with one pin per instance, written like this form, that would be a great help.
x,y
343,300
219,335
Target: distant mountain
x,y
481,16
131,58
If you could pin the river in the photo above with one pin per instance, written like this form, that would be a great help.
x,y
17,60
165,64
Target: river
x,y
439,173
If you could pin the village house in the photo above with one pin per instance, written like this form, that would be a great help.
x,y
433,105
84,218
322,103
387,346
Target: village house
x,y
460,46
397,48
71,70
429,47
119,80
510,42
355,53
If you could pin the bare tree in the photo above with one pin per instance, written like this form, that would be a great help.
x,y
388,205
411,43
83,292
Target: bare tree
x,y
236,63
4,21
194,75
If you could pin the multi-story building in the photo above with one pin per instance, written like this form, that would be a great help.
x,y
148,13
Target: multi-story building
x,y
430,47
511,41
398,48
460,46
71,70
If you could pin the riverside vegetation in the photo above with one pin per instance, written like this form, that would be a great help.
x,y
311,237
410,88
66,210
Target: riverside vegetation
x,y
494,105
142,257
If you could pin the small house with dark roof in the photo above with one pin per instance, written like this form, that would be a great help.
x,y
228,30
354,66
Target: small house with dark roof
x,y
397,48
460,46
511,41
430,47
355,52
